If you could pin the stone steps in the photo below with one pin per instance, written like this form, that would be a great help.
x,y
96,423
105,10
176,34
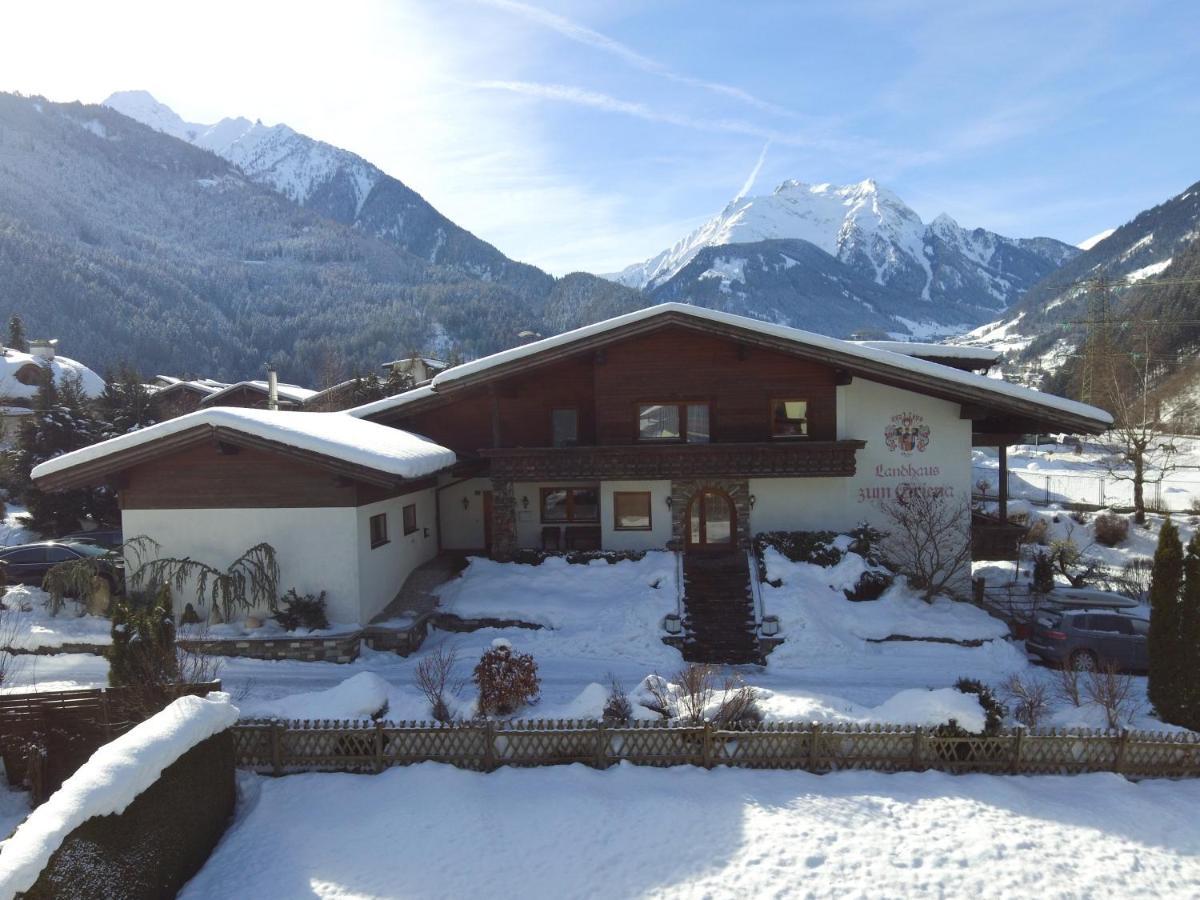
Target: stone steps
x,y
718,621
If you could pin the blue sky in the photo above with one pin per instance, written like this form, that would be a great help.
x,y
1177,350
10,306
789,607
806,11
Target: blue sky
x,y
589,135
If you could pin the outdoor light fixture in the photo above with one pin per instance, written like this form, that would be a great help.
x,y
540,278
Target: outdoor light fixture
x,y
525,502
770,626
466,503
672,624
670,501
753,500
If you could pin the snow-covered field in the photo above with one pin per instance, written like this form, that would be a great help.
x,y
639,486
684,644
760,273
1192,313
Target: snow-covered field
x,y
434,831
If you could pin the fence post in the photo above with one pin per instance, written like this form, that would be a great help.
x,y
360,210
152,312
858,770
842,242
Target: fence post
x,y
706,745
1018,740
814,739
276,747
107,714
489,746
918,749
1122,746
379,746
601,745
1047,490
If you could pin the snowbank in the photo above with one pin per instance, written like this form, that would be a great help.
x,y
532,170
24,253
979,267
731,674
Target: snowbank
x,y
109,782
37,628
817,619
361,696
332,434
12,361
689,832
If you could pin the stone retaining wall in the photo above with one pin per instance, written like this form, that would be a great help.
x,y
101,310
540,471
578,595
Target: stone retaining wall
x,y
340,648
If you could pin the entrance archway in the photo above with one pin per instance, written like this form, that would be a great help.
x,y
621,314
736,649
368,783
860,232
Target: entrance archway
x,y
711,521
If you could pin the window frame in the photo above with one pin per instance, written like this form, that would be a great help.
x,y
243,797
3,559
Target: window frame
x,y
776,436
681,411
570,506
405,511
649,526
561,409
378,540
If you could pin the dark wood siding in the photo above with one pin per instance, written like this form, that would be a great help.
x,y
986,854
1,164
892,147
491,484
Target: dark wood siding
x,y
204,478
672,364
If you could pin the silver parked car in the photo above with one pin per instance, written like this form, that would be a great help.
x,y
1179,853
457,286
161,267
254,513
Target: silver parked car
x,y
1088,639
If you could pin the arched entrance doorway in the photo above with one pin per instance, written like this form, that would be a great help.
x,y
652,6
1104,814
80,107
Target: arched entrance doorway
x,y
711,521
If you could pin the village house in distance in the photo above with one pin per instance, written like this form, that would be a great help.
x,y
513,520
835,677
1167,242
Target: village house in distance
x,y
670,427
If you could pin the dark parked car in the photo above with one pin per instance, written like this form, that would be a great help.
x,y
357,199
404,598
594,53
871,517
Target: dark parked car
x,y
1088,639
29,563
105,537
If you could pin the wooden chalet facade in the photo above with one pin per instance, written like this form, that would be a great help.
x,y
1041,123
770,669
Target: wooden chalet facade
x,y
672,427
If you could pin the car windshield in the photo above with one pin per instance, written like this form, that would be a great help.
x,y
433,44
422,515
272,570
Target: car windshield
x,y
87,549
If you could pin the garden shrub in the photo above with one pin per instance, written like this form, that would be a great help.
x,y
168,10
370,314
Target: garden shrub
x,y
617,708
870,586
993,710
302,611
1043,572
506,680
1110,529
814,547
1038,533
866,541
142,655
531,557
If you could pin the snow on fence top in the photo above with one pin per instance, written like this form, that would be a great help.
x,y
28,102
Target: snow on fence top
x,y
332,434
108,782
900,362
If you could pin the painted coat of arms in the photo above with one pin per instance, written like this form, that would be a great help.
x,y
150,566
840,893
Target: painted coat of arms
x,y
908,433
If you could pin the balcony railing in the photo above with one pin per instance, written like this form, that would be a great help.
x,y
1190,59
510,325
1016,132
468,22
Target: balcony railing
x,y
808,459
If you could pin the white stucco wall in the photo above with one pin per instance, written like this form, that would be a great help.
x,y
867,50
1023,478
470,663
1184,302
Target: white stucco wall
x,y
799,504
382,570
315,547
462,529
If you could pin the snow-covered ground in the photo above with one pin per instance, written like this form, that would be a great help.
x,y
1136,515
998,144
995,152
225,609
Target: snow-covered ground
x,y
434,831
29,625
1055,472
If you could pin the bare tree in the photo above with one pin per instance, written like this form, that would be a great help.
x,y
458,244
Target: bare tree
x,y
1113,692
1028,700
1139,450
928,537
433,680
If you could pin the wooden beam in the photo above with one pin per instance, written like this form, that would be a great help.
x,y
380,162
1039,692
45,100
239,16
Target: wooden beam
x,y
1003,491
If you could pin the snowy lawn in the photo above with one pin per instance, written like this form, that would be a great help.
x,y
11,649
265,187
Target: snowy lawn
x,y
29,625
434,831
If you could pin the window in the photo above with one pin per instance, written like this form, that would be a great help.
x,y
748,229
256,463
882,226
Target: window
x,y
683,422
410,518
571,504
564,424
789,418
379,530
631,510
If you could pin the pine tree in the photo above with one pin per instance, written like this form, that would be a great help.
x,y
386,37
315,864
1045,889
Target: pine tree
x,y
1165,687
126,405
16,335
1189,635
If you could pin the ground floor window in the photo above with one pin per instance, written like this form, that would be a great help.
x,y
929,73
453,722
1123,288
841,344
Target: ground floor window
x,y
410,518
571,504
631,511
378,530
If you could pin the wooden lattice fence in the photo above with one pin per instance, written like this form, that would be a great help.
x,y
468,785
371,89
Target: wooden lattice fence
x,y
279,748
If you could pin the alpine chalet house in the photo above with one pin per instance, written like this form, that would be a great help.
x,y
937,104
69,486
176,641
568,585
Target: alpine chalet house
x,y
670,427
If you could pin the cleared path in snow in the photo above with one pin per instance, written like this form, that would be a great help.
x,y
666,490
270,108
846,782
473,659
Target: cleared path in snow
x,y
435,831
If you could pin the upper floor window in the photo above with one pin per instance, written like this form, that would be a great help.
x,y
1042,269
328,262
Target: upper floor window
x,y
789,418
683,422
564,424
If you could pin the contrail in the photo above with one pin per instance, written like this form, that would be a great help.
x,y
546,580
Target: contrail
x,y
762,157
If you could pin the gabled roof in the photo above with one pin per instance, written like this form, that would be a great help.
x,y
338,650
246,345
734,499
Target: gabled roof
x,y
291,392
940,351
999,398
332,436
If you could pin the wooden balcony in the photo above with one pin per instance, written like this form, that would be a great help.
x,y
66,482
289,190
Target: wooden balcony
x,y
781,459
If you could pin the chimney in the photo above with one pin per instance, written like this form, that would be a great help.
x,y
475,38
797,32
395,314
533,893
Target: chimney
x,y
43,350
272,388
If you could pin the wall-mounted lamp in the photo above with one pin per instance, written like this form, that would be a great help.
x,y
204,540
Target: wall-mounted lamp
x,y
670,501
753,500
524,503
466,501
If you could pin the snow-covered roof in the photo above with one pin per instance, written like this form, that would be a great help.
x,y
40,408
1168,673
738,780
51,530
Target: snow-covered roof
x,y
393,402
199,385
12,361
902,365
292,392
428,360
331,434
942,351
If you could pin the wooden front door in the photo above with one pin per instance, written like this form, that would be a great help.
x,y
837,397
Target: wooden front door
x,y
711,522
487,521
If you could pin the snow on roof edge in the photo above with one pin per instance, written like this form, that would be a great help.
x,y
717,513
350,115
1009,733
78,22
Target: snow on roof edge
x,y
885,357
334,434
917,348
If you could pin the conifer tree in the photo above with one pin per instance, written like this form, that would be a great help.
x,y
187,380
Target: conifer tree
x,y
1189,635
16,335
1165,687
126,405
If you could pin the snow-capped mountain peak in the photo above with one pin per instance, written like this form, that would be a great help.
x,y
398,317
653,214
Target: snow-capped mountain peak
x,y
142,107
